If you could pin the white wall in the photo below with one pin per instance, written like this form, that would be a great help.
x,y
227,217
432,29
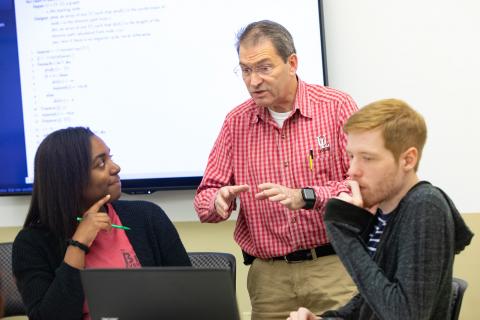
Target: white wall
x,y
423,51
427,53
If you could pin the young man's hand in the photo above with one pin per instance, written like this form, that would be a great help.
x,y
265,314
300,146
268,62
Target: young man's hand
x,y
356,197
302,314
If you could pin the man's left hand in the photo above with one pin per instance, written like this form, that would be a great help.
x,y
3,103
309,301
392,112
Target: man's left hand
x,y
302,314
356,197
290,198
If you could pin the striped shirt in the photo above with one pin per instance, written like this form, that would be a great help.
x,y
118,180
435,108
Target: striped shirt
x,y
252,149
377,231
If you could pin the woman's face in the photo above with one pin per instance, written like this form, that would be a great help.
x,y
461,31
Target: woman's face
x,y
104,177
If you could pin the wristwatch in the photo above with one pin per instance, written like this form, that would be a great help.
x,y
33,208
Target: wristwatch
x,y
308,195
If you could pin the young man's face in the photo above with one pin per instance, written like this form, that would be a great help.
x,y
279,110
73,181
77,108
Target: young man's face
x,y
378,174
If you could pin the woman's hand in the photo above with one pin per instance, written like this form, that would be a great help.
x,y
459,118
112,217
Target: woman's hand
x,y
92,222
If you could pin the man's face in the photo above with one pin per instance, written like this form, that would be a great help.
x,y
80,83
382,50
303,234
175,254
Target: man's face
x,y
274,88
374,168
104,177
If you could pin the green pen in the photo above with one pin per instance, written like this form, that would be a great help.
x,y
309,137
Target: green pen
x,y
113,225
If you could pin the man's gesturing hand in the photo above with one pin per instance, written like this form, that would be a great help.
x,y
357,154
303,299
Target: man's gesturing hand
x,y
290,198
225,196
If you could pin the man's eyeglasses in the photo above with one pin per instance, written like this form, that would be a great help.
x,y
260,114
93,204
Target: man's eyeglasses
x,y
261,70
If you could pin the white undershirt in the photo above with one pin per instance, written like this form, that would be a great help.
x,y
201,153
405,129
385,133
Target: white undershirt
x,y
279,117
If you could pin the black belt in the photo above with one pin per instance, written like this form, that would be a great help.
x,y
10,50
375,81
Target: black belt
x,y
307,254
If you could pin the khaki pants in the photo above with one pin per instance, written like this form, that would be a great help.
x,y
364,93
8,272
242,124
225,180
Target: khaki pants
x,y
276,287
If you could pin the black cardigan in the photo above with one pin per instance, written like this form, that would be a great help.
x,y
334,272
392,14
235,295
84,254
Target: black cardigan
x,y
51,289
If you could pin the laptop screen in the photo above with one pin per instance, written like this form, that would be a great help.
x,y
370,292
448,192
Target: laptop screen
x,y
154,293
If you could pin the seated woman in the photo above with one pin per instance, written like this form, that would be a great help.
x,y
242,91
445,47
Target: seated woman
x,y
76,221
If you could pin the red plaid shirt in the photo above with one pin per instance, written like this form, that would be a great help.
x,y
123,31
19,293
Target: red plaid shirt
x,y
251,149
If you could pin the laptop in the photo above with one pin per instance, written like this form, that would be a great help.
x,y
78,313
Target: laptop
x,y
154,293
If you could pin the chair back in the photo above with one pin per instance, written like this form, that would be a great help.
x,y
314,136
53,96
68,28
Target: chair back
x,y
458,289
13,301
215,260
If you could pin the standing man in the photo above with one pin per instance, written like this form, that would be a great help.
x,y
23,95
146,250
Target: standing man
x,y
400,257
282,153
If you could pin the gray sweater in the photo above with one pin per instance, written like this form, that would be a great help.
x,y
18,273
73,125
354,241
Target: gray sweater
x,y
410,276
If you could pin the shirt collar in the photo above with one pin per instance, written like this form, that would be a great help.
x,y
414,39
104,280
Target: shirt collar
x,y
301,100
300,103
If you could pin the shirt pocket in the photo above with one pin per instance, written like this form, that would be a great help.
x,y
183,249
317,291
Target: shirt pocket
x,y
324,166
